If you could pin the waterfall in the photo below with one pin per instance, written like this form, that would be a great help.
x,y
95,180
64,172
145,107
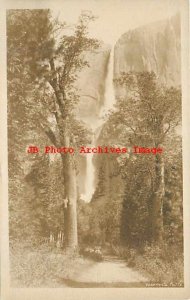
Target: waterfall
x,y
109,97
109,100
90,175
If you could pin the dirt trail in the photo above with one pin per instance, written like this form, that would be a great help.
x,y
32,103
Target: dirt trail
x,y
111,272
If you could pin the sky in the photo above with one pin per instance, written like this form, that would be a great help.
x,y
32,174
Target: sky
x,y
116,17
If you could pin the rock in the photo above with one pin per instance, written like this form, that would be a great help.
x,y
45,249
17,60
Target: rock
x,y
154,47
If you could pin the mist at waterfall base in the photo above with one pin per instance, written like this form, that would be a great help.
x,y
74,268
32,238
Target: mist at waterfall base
x,y
109,101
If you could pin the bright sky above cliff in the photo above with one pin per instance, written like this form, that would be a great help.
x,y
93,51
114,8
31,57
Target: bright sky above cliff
x,y
115,17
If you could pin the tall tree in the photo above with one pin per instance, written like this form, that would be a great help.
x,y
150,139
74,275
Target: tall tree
x,y
49,61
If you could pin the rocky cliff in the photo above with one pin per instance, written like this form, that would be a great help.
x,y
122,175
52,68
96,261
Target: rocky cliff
x,y
154,47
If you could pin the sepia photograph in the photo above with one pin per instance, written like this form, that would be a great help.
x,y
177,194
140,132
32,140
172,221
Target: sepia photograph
x,y
95,145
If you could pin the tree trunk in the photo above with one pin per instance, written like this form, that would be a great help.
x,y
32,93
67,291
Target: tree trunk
x,y
156,206
70,208
69,171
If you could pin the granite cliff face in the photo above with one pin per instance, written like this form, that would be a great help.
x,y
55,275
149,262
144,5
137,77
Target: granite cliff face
x,y
154,47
